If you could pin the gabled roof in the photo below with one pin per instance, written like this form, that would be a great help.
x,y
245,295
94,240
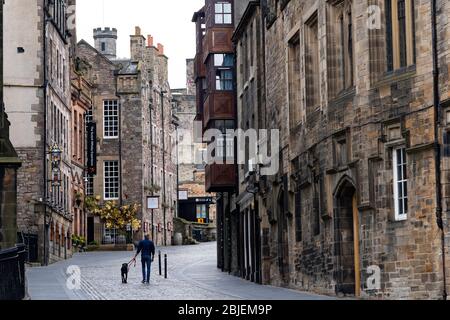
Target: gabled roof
x,y
82,41
252,5
200,12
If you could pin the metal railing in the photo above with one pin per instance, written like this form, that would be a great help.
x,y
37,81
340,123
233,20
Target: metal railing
x,y
12,271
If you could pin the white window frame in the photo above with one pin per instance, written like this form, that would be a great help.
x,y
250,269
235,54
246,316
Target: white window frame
x,y
105,182
89,185
115,103
399,216
225,147
222,13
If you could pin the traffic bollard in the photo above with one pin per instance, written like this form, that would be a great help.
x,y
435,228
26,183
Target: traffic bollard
x,y
159,260
165,266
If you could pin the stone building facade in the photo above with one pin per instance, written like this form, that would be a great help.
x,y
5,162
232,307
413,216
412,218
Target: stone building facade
x,y
9,163
359,205
216,110
132,110
81,90
251,116
37,96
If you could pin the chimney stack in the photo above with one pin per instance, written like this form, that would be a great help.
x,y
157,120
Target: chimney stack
x,y
149,41
160,49
137,31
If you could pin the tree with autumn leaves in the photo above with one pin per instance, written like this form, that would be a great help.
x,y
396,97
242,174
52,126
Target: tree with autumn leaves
x,y
113,215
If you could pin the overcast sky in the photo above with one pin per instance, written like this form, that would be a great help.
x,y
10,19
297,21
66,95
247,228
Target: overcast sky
x,y
168,21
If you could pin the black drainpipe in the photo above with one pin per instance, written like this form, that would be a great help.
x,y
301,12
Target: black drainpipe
x,y
44,64
437,147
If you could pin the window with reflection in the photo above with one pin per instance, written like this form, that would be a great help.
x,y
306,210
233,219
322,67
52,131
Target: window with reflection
x,y
223,13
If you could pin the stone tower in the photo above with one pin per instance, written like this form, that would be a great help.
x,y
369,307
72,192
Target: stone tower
x,y
106,41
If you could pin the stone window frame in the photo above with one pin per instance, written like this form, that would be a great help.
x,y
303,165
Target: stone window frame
x,y
318,203
340,138
340,54
111,119
400,52
298,215
400,215
271,11
75,142
312,76
294,78
111,180
394,137
81,130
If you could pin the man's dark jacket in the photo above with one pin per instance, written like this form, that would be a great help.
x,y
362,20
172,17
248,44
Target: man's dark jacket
x,y
146,248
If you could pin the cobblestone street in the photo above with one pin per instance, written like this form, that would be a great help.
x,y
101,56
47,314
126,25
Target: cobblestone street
x,y
192,275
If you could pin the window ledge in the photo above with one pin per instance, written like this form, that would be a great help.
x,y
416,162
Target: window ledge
x,y
391,77
344,95
401,218
420,147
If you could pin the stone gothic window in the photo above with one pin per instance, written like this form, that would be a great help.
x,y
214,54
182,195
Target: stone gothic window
x,y
298,216
294,81
400,34
340,46
312,64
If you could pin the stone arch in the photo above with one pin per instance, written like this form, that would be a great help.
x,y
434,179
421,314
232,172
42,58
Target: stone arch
x,y
343,182
346,237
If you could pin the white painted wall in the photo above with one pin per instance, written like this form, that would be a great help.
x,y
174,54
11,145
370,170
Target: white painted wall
x,y
20,72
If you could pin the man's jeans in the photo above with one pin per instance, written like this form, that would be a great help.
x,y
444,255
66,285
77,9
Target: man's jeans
x,y
146,260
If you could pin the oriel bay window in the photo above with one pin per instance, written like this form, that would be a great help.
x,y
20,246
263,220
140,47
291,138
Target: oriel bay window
x,y
400,34
224,151
223,64
400,183
223,12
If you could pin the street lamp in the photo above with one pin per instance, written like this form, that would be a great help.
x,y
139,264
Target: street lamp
x,y
55,153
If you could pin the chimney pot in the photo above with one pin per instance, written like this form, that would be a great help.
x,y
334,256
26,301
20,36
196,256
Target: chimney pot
x,y
160,49
149,41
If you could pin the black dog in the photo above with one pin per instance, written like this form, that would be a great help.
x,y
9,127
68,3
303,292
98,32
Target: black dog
x,y
124,272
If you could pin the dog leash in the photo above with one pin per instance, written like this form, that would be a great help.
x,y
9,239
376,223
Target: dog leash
x,y
132,260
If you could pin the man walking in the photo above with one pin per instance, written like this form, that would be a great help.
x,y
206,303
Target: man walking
x,y
147,249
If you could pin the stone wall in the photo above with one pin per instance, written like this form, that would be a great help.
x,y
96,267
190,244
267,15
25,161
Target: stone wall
x,y
372,118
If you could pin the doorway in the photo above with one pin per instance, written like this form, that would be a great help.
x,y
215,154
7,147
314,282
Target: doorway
x,y
348,276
